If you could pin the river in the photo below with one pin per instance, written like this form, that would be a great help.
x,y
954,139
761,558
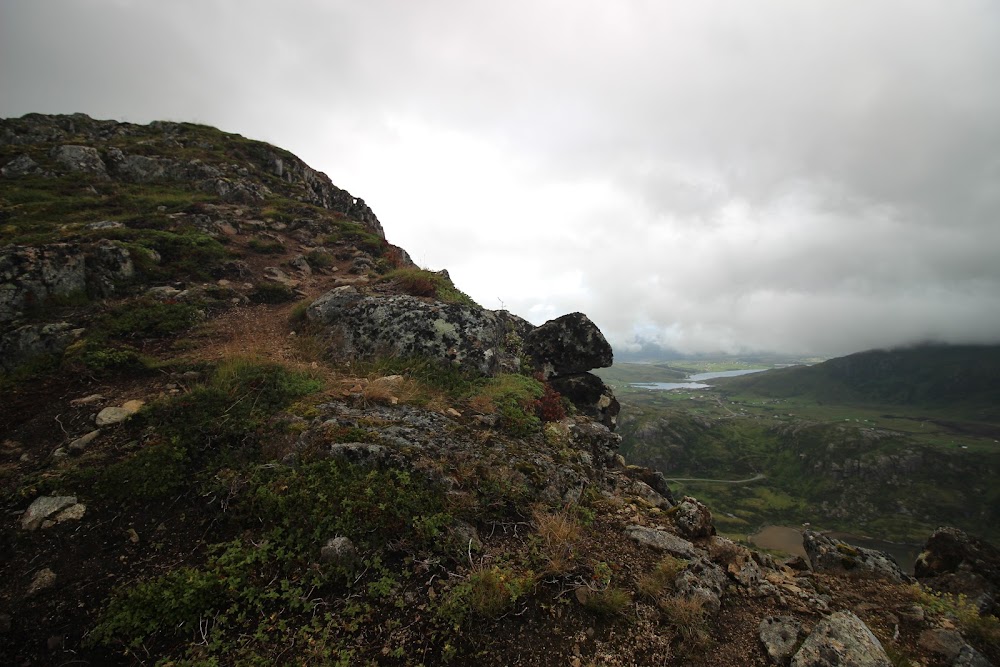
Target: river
x,y
789,540
696,381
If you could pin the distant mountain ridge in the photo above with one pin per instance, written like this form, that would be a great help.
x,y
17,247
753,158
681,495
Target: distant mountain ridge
x,y
921,375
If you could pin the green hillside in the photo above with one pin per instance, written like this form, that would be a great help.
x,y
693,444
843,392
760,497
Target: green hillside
x,y
964,377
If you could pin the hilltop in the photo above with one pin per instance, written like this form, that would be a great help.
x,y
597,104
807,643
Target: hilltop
x,y
241,427
966,377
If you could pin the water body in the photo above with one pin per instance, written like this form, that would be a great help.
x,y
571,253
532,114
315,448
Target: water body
x,y
789,540
694,381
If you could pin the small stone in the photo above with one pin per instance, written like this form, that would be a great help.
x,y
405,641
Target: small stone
x,y
114,415
60,453
81,443
43,580
42,508
133,406
339,552
662,541
133,536
71,513
452,412
87,400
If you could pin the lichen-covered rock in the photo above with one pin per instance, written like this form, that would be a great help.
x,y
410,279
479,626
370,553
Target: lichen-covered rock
x,y
25,343
80,158
693,519
703,580
42,508
780,636
591,396
465,336
661,540
568,345
339,552
830,555
22,165
839,640
594,438
29,276
955,562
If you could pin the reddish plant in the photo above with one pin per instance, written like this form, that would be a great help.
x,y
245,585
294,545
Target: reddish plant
x,y
549,407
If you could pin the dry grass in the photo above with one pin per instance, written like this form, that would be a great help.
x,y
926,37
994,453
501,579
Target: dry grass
x,y
560,532
653,584
687,617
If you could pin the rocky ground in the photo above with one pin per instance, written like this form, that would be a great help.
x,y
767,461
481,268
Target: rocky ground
x,y
238,427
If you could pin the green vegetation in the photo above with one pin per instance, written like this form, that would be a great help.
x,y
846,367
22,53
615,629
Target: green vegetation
x,y
864,461
271,293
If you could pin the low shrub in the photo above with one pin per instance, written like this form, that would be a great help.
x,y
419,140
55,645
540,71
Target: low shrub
x,y
271,293
608,602
488,592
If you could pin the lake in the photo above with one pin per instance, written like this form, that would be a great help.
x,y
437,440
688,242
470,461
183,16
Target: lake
x,y
789,540
696,381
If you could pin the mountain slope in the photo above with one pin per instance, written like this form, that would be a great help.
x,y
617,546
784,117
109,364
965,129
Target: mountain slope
x,y
240,427
927,375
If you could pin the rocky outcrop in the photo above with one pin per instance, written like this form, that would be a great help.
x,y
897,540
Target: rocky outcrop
x,y
591,396
780,637
82,144
838,640
31,341
830,555
955,562
30,276
465,336
472,338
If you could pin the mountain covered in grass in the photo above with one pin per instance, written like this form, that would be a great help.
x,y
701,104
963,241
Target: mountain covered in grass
x,y
240,427
924,375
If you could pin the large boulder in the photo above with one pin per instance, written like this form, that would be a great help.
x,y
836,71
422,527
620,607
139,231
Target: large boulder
x,y
464,336
831,555
80,158
568,345
955,562
839,640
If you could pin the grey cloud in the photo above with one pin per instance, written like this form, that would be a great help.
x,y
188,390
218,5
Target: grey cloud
x,y
818,176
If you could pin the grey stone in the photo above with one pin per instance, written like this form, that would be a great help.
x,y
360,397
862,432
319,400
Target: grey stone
x,y
662,541
780,636
841,640
693,519
112,415
465,336
105,224
970,657
80,158
832,555
31,341
339,552
42,508
81,443
22,165
43,579
590,395
704,580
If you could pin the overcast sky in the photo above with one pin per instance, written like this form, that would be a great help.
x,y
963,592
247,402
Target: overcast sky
x,y
808,177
